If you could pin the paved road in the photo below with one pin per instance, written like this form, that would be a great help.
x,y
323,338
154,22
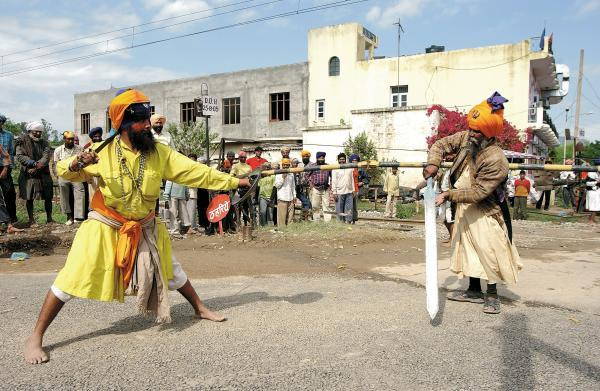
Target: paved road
x,y
323,331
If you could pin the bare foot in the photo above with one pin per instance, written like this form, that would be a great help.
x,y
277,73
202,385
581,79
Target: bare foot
x,y
34,354
205,313
11,229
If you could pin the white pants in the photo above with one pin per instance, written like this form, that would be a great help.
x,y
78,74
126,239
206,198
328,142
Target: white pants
x,y
320,201
192,208
179,280
179,213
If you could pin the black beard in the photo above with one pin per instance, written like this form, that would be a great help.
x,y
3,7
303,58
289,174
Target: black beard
x,y
142,141
157,129
305,161
320,162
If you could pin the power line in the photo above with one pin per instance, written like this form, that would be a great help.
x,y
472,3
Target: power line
x,y
334,4
592,87
133,33
125,28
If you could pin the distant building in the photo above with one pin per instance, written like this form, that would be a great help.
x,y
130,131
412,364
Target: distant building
x,y
345,89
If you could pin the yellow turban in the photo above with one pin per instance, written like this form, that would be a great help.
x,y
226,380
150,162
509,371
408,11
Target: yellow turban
x,y
68,134
305,153
488,116
156,118
285,161
117,106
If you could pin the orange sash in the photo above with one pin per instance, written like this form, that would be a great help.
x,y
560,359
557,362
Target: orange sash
x,y
129,236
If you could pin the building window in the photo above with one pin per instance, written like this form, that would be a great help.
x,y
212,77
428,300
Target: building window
x,y
231,111
399,96
320,109
152,110
188,112
108,122
334,66
280,106
85,123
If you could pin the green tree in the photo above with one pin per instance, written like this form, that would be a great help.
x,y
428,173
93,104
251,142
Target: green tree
x,y
365,148
191,138
16,128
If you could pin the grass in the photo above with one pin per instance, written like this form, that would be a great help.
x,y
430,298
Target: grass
x,y
403,211
39,213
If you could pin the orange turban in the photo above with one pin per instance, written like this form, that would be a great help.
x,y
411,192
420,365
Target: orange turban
x,y
117,106
305,153
285,161
68,134
488,116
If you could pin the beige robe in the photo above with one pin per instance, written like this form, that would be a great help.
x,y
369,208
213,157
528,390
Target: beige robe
x,y
481,245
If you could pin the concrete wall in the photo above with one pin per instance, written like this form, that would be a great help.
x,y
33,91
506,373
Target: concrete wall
x,y
252,86
398,134
366,83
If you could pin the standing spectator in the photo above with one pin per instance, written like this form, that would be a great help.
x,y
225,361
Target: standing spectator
x,y
285,152
592,196
95,136
192,203
178,196
303,187
241,170
72,194
391,186
228,162
522,189
543,184
320,182
7,141
568,196
342,187
510,188
35,182
257,160
265,185
273,203
361,182
286,194
159,132
5,219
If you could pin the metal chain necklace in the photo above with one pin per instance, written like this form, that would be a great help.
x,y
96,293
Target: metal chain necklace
x,y
124,169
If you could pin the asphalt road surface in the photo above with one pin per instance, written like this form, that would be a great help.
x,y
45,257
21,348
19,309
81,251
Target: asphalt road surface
x,y
331,331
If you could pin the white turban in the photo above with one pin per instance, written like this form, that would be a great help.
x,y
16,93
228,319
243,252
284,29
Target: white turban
x,y
35,125
156,118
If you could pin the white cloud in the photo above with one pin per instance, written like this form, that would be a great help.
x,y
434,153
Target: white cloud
x,y
588,6
168,9
398,9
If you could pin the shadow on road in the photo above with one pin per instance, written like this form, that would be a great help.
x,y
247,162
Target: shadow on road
x,y
182,315
518,348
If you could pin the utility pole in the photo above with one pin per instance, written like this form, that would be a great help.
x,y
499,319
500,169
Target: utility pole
x,y
578,103
400,31
565,144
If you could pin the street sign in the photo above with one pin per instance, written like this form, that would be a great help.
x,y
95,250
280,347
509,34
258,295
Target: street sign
x,y
218,208
210,105
581,133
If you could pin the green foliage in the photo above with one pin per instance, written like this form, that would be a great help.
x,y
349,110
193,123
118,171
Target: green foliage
x,y
405,211
591,151
191,138
365,148
15,128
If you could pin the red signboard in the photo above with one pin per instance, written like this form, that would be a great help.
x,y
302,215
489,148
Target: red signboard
x,y
218,208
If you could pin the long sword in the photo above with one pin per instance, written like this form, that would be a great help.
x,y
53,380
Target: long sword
x,y
431,261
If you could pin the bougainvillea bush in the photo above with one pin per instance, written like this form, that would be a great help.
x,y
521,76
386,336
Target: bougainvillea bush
x,y
453,121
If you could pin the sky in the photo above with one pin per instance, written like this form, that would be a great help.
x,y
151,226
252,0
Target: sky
x,y
48,92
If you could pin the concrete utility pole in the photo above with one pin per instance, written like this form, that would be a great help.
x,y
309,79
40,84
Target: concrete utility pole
x,y
400,31
578,103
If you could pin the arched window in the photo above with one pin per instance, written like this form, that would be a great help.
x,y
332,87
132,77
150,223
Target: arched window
x,y
334,66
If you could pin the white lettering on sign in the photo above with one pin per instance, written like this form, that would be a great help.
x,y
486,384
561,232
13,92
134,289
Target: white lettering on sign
x,y
210,105
222,208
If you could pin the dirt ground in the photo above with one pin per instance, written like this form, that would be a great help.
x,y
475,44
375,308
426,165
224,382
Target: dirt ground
x,y
305,248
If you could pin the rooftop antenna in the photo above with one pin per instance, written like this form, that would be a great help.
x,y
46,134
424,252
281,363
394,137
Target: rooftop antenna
x,y
400,31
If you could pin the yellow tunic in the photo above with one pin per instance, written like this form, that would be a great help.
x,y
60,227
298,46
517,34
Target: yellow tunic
x,y
89,271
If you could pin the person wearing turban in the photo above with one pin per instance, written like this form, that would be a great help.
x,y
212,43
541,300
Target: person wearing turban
x,y
482,241
286,194
33,153
285,152
320,194
122,247
162,135
7,141
72,194
241,170
303,186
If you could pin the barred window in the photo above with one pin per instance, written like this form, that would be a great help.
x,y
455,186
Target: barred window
x,y
334,66
280,106
85,123
320,109
231,111
399,96
152,110
188,112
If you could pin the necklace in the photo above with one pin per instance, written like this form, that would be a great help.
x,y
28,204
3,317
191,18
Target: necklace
x,y
124,170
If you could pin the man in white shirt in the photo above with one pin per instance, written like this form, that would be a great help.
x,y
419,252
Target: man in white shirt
x,y
286,194
74,212
342,187
160,134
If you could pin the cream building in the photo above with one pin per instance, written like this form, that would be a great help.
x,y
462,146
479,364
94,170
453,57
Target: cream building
x,y
350,90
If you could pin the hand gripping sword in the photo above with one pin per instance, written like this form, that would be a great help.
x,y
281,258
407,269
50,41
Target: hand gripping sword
x,y
431,267
254,177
